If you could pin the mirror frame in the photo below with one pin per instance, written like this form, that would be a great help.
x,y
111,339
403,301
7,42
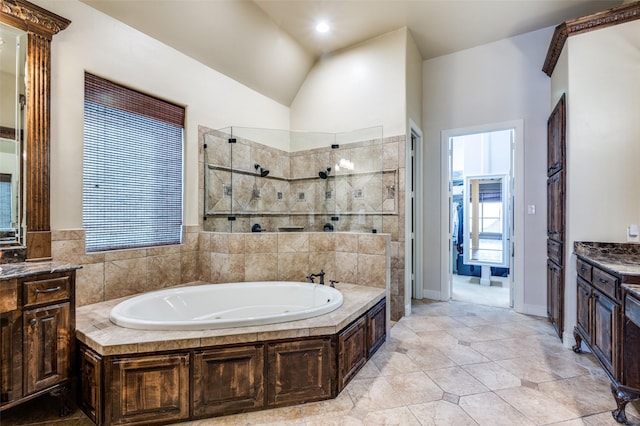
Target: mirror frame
x,y
505,237
40,25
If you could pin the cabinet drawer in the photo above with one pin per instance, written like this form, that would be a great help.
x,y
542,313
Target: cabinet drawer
x,y
45,291
606,283
632,310
554,251
583,269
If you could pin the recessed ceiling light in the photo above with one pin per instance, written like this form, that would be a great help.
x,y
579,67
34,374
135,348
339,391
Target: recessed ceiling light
x,y
322,27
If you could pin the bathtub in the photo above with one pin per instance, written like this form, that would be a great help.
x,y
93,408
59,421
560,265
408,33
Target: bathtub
x,y
211,306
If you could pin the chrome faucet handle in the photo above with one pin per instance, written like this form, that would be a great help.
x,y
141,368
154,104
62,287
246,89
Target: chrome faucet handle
x,y
310,278
333,283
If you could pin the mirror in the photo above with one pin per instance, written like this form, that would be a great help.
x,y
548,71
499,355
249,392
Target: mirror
x,y
13,44
486,235
34,27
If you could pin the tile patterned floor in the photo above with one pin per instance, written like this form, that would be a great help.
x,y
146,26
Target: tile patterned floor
x,y
448,364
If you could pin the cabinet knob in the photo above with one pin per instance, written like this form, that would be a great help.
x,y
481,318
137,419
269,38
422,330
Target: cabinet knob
x,y
33,321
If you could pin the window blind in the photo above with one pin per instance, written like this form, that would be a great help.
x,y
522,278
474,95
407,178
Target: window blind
x,y
133,167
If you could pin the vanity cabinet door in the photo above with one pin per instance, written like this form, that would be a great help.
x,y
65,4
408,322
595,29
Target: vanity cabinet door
x,y
555,296
584,309
605,325
149,389
376,327
299,371
10,356
352,351
228,380
48,348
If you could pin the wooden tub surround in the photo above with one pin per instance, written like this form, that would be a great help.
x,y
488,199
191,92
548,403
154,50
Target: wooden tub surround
x,y
152,377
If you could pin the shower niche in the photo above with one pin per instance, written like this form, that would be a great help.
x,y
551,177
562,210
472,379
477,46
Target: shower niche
x,y
265,180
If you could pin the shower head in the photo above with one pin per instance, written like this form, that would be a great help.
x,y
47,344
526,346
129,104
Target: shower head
x,y
324,173
263,172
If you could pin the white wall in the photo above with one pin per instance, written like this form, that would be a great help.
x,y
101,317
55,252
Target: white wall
x,y
413,82
101,45
358,87
603,140
493,83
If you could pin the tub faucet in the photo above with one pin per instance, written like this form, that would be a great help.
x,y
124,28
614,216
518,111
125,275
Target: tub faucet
x,y
310,277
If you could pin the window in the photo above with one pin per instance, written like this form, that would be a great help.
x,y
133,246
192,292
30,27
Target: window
x,y
133,166
5,201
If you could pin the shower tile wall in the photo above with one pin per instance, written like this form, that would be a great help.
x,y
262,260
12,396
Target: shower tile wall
x,y
293,186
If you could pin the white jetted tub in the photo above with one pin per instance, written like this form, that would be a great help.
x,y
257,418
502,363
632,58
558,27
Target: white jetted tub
x,y
210,306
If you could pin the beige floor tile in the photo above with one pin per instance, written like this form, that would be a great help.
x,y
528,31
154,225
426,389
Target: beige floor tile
x,y
400,416
391,363
463,355
456,381
335,421
371,394
492,375
441,413
429,358
587,394
529,368
339,406
537,406
490,410
414,388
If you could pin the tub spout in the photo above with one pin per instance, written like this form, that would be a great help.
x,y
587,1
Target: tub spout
x,y
310,277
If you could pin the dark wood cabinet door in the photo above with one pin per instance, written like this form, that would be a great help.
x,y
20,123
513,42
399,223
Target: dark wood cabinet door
x,y
10,356
584,309
605,324
91,384
149,389
228,380
352,351
48,346
299,371
376,327
556,207
556,138
555,296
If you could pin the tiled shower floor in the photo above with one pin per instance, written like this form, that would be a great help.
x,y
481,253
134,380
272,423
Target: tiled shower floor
x,y
449,363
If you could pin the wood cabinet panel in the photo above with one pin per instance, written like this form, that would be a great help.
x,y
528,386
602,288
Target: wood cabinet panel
x,y
556,138
228,380
606,283
8,296
10,356
90,384
556,206
47,346
299,371
376,327
149,389
584,309
555,296
352,351
605,324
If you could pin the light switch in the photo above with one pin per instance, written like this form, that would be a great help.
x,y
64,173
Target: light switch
x,y
531,209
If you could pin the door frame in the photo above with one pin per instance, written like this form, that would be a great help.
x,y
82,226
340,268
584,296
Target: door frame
x,y
517,237
414,166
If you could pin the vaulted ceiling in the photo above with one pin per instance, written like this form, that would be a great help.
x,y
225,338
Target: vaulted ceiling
x,y
270,45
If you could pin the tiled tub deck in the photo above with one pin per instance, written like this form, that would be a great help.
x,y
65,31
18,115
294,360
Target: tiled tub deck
x,y
144,376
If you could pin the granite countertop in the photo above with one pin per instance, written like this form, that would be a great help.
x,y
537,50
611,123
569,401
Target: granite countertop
x,y
619,258
94,329
24,269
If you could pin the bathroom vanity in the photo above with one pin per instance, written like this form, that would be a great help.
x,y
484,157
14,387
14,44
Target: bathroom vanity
x,y
37,322
608,314
132,376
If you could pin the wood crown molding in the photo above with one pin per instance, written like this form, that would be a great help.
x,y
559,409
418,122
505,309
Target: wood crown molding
x,y
617,15
34,18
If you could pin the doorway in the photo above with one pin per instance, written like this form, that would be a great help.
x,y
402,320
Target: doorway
x,y
481,207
